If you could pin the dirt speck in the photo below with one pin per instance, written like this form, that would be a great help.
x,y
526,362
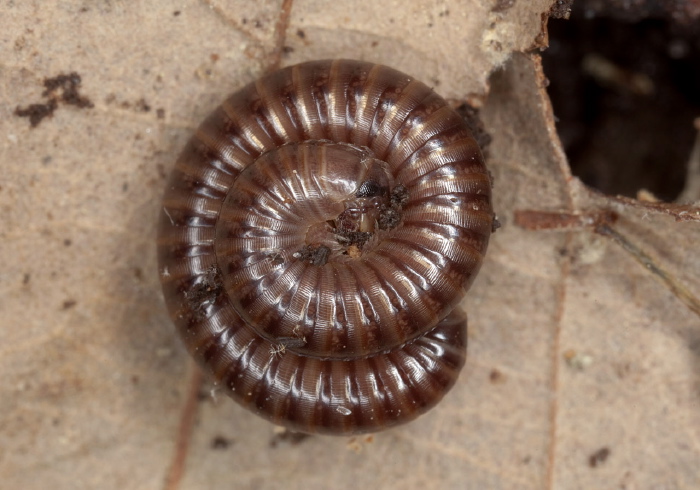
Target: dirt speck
x,y
289,437
220,442
63,89
599,457
68,304
497,377
502,5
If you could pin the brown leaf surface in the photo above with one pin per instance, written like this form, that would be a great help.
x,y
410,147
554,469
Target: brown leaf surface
x,y
584,361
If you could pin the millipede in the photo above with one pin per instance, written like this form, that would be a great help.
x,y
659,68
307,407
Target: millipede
x,y
316,236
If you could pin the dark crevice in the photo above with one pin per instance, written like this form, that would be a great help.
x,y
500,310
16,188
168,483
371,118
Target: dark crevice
x,y
625,94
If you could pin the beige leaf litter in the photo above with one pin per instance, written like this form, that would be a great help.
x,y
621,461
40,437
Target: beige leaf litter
x,y
584,358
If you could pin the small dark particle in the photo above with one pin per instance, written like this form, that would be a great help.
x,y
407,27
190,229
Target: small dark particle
x,y
176,13
357,238
389,218
62,88
25,280
287,49
68,304
301,33
138,273
69,86
623,370
399,196
142,105
20,43
502,5
476,126
497,377
220,442
160,113
495,225
67,242
36,112
205,292
293,438
598,457
316,255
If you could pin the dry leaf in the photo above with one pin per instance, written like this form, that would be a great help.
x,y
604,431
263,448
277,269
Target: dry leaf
x,y
584,353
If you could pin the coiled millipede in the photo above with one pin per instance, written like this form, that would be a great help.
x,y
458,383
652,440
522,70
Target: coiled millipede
x,y
316,235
